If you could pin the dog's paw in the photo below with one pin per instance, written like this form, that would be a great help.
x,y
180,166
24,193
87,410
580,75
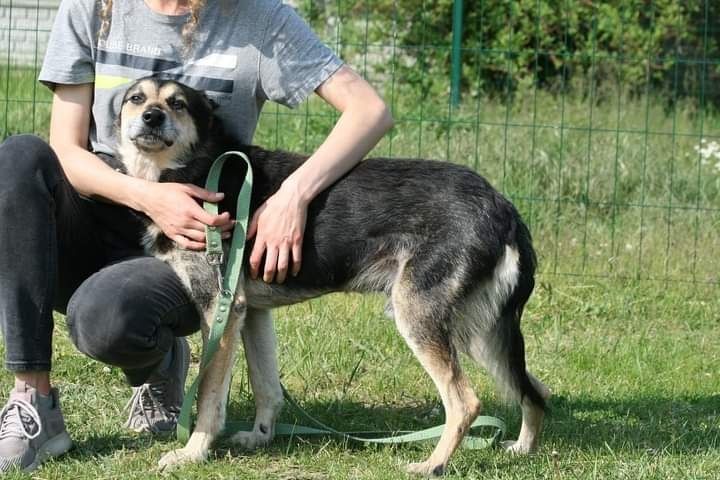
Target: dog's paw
x,y
181,456
252,440
426,469
516,447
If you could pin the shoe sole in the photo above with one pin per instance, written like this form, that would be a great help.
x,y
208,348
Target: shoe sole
x,y
54,447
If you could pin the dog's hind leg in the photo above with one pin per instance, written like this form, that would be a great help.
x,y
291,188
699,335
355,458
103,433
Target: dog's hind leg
x,y
422,321
487,328
532,421
261,354
212,396
501,350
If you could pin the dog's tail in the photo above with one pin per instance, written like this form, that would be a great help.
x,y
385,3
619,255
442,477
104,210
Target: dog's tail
x,y
489,330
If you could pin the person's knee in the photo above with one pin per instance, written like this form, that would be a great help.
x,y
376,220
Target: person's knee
x,y
22,157
128,314
108,322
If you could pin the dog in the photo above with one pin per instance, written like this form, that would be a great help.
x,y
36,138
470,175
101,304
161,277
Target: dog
x,y
451,253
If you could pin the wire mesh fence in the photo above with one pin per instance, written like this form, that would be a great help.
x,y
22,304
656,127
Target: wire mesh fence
x,y
598,119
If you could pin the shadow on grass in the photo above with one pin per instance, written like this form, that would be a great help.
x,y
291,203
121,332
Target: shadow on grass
x,y
651,424
346,416
103,444
648,425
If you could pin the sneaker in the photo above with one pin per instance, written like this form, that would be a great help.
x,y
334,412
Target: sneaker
x,y
31,432
155,406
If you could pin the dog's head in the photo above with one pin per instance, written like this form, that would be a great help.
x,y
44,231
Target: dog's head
x,y
162,119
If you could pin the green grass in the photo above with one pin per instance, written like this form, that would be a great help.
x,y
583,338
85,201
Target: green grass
x,y
624,324
633,369
24,103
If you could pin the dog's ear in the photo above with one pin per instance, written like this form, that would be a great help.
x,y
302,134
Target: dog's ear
x,y
213,104
118,118
117,122
199,99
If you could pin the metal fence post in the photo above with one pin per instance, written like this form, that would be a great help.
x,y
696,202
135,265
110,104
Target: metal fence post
x,y
456,73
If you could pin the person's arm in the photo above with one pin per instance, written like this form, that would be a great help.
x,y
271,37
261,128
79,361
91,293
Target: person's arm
x,y
171,206
279,223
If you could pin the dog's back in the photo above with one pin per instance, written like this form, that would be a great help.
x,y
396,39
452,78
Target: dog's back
x,y
444,213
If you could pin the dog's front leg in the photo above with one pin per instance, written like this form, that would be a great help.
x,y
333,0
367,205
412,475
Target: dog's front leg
x,y
260,346
212,397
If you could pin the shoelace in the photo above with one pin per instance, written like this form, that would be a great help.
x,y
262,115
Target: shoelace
x,y
146,400
15,419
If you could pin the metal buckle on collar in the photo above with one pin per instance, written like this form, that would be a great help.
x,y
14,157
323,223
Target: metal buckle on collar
x,y
218,276
214,259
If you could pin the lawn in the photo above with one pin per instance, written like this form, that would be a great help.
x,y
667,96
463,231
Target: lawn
x,y
624,325
633,369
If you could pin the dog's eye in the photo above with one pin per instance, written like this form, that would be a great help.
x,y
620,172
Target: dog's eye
x,y
136,99
177,104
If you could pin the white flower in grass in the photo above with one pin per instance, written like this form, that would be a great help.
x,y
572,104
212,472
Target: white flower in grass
x,y
708,151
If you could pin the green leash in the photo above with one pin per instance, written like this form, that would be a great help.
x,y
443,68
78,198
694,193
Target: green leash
x,y
470,442
228,283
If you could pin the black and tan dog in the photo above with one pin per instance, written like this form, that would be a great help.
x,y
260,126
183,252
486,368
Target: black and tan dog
x,y
451,253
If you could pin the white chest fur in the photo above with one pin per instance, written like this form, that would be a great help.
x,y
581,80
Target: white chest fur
x,y
147,166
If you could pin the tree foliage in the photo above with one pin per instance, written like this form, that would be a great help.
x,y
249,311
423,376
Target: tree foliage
x,y
670,47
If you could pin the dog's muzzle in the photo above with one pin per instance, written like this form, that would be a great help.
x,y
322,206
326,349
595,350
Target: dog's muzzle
x,y
152,130
153,117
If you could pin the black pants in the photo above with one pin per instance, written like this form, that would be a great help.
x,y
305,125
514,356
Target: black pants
x,y
60,251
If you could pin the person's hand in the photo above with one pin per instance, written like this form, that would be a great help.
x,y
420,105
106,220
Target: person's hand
x,y
175,209
278,227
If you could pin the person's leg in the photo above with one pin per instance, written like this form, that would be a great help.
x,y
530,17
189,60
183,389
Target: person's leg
x,y
132,314
46,240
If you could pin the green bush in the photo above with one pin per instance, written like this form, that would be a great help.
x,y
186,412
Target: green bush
x,y
670,47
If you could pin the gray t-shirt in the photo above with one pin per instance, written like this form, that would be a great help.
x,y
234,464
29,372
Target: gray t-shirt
x,y
244,53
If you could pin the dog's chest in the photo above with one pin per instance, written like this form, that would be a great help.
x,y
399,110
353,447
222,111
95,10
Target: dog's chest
x,y
141,165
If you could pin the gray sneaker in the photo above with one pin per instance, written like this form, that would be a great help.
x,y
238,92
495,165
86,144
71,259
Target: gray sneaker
x,y
29,431
155,405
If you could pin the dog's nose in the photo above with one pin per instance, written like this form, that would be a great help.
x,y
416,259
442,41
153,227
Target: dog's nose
x,y
153,117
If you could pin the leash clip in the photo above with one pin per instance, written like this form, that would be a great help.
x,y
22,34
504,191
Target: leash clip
x,y
218,276
214,258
